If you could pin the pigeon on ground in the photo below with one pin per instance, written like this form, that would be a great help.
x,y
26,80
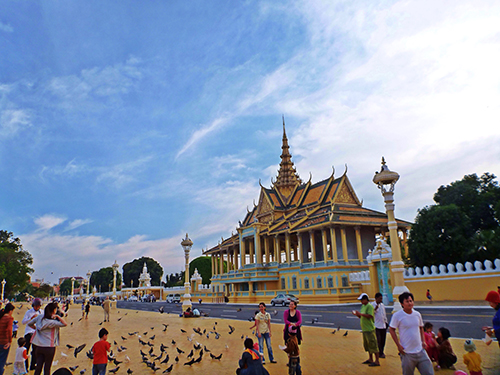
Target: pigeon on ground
x,y
73,368
129,371
315,320
83,371
113,371
177,359
179,351
190,354
346,332
173,342
238,310
167,358
216,357
231,329
183,331
124,338
208,351
116,362
90,354
168,369
161,310
275,312
114,342
198,346
165,329
64,354
152,337
69,346
189,363
120,318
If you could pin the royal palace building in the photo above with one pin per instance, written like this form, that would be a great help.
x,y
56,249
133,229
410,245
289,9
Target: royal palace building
x,y
301,238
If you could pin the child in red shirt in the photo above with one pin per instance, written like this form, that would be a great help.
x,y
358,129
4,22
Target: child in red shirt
x,y
100,350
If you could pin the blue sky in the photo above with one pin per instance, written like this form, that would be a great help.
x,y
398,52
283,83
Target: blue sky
x,y
127,124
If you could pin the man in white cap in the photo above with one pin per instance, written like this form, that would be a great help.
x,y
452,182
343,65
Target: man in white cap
x,y
28,331
366,315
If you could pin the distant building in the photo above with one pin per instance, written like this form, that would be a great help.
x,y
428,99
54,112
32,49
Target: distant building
x,y
301,238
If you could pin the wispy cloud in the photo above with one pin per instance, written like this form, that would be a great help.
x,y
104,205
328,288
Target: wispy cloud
x,y
6,27
13,120
47,222
78,223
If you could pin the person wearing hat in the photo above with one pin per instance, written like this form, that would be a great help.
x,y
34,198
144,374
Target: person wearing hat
x,y
28,331
493,298
471,359
366,315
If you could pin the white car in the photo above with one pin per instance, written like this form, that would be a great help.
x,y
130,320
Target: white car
x,y
132,299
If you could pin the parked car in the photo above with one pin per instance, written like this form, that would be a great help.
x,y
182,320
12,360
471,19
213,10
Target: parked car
x,y
170,298
132,299
177,298
283,299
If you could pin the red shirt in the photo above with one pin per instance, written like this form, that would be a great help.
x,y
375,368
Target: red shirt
x,y
100,350
6,329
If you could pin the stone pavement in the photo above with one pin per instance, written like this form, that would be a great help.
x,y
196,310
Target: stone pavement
x,y
321,352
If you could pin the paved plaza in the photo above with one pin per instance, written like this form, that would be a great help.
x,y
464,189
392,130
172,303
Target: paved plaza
x,y
321,352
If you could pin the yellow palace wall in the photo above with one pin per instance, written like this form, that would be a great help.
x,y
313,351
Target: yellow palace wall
x,y
454,288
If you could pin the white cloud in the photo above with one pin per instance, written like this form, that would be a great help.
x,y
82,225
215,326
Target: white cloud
x,y
13,120
6,27
47,222
78,223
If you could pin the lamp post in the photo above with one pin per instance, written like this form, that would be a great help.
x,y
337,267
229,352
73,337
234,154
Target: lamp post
x,y
72,288
88,284
3,288
385,181
115,269
186,246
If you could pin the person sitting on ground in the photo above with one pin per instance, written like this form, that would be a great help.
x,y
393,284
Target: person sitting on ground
x,y
446,356
188,313
251,362
471,359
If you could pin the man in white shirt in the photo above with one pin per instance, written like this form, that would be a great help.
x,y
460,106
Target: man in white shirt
x,y
28,331
411,343
380,323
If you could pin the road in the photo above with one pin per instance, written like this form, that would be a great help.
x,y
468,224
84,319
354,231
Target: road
x,y
463,322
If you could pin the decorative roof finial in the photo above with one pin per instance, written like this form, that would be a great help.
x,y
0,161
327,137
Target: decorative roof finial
x,y
383,160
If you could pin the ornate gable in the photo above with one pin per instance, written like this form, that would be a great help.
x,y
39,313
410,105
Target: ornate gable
x,y
346,194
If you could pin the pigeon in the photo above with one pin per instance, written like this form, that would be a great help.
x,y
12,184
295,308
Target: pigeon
x,y
116,362
217,336
124,338
152,337
275,312
145,333
177,359
83,371
168,369
71,324
216,357
197,347
242,336
315,320
231,329
69,346
131,334
165,329
179,351
208,351
238,310
114,342
127,358
100,324
173,342
113,371
90,354
346,332
149,344
190,354
183,331
80,319
64,354
120,318
154,368
150,351
198,360
189,363
143,354
129,371
163,347
152,328
333,332
338,328
161,310
166,359
165,325
73,368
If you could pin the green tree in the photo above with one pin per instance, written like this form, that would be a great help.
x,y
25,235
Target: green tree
x,y
14,263
204,266
43,291
132,271
104,279
65,287
464,225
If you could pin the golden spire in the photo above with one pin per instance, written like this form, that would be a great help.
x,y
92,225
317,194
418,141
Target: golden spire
x,y
287,175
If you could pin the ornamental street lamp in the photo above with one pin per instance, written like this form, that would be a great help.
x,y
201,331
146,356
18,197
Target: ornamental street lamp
x,y
385,181
3,288
88,283
115,269
186,246
72,288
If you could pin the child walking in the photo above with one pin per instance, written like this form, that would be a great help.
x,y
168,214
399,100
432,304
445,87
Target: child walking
x,y
292,349
430,341
471,359
21,357
15,327
100,350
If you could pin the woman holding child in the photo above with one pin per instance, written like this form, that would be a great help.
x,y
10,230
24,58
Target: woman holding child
x,y
292,317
